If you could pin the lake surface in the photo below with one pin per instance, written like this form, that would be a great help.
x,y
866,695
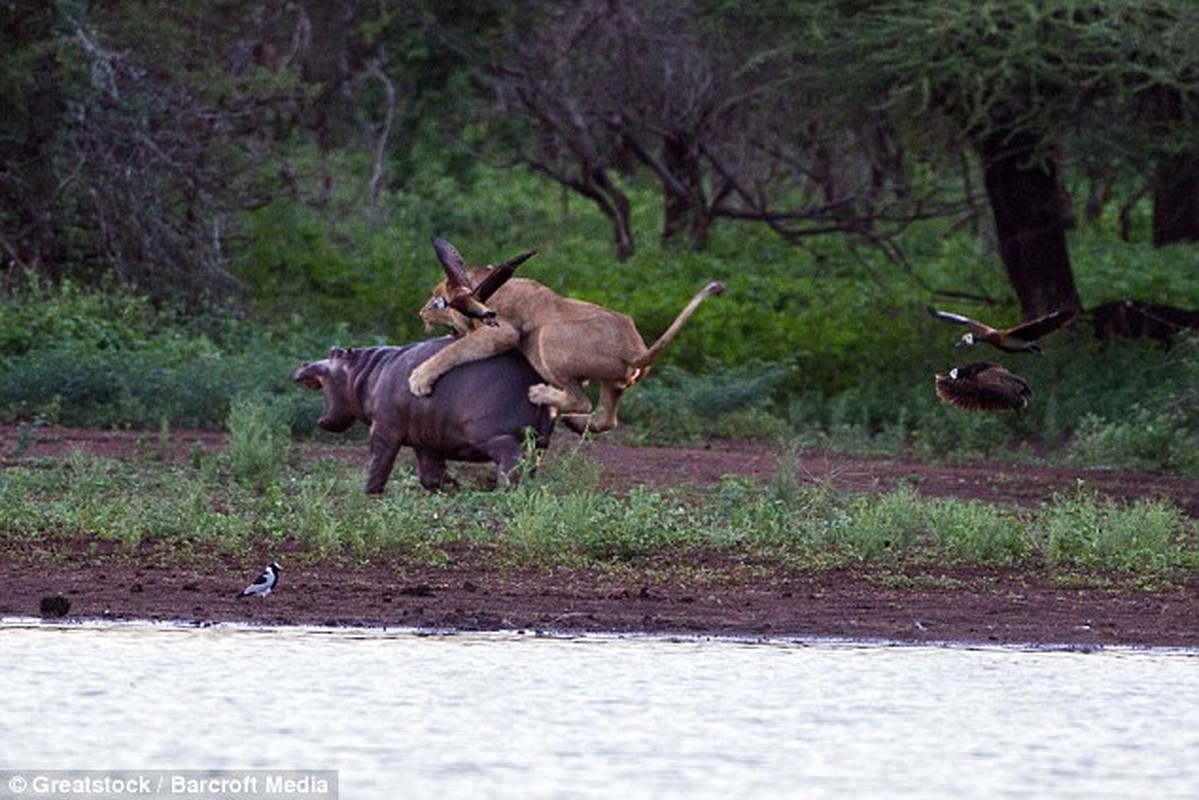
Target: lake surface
x,y
402,715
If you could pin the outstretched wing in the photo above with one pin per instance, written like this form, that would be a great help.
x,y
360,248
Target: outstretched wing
x,y
1036,328
498,276
983,386
452,263
461,293
958,319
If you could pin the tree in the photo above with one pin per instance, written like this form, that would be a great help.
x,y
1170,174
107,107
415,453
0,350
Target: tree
x,y
139,131
1021,81
1176,175
704,97
33,98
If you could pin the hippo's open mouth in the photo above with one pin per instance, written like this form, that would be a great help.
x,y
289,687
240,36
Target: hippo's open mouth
x,y
307,376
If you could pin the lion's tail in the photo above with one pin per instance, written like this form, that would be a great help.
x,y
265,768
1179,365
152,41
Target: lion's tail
x,y
655,350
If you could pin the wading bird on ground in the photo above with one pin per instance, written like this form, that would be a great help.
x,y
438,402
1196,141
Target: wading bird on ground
x,y
263,584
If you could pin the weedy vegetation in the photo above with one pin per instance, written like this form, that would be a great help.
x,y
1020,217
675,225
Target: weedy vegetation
x,y
231,502
814,347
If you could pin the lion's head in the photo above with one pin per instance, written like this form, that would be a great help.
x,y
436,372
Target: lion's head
x,y
438,311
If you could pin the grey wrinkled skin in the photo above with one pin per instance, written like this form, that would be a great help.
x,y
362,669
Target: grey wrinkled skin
x,y
479,411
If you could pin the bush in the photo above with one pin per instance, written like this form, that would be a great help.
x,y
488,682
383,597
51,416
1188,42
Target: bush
x,y
258,439
1145,438
1082,532
828,343
186,384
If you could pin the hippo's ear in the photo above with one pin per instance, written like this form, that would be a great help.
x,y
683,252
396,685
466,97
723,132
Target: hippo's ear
x,y
452,264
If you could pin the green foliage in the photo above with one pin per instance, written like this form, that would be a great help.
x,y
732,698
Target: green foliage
x,y
681,407
37,316
826,344
1143,439
1082,532
1108,268
77,357
187,382
334,264
903,526
258,439
316,509
551,525
1037,67
815,526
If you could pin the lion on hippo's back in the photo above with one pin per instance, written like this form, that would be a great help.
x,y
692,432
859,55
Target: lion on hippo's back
x,y
569,342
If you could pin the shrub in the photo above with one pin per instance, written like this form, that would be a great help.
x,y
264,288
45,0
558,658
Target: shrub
x,y
1082,532
258,440
1145,440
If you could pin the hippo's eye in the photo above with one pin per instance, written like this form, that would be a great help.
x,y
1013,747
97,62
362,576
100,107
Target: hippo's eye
x,y
437,303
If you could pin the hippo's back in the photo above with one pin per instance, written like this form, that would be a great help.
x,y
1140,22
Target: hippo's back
x,y
471,405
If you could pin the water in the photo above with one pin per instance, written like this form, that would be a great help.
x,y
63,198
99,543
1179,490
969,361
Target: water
x,y
402,715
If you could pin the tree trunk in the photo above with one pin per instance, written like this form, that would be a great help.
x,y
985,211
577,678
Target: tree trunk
x,y
1031,219
1176,180
685,210
33,181
615,205
1176,201
597,186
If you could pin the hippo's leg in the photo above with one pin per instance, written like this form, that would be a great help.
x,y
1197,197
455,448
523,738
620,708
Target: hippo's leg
x,y
508,453
383,459
430,468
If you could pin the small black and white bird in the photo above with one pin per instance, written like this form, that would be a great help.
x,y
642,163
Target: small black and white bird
x,y
263,584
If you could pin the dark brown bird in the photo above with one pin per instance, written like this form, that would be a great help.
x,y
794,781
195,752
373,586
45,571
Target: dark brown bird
x,y
1017,339
983,386
468,299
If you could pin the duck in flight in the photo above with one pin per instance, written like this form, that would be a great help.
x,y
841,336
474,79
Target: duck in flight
x,y
983,386
1020,338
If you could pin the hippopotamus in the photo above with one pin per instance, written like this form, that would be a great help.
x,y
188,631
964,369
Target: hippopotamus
x,y
479,411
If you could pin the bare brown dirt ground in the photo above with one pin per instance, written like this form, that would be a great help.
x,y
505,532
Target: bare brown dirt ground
x,y
735,598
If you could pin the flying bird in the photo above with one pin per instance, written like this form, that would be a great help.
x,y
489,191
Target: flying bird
x,y
465,298
983,386
263,584
1020,338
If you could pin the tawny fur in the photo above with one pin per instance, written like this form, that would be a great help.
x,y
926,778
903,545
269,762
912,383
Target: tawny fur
x,y
569,342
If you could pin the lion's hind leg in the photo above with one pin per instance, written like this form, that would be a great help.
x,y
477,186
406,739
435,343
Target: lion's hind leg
x,y
571,404
609,400
576,411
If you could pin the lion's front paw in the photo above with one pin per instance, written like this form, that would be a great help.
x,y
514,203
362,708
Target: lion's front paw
x,y
419,382
542,394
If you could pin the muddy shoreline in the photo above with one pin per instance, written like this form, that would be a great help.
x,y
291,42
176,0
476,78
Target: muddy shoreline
x,y
733,597
471,594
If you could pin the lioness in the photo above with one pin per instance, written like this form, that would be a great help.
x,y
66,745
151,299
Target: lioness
x,y
569,342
